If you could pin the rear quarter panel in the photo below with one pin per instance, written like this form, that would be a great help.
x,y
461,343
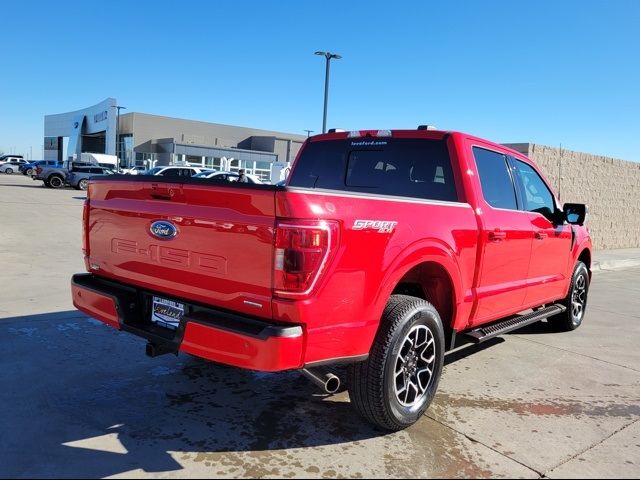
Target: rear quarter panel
x,y
343,315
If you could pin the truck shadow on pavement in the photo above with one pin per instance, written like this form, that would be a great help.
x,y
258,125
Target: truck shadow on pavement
x,y
464,350
85,401
537,328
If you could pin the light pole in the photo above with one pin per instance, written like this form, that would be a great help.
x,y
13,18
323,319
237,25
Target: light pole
x,y
328,56
117,135
309,132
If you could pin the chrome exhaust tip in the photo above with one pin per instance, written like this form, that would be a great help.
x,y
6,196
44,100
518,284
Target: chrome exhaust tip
x,y
328,382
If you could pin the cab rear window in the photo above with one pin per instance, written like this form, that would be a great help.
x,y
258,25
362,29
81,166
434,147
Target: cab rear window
x,y
417,168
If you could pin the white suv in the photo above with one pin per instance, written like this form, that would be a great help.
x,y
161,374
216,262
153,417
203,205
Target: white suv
x,y
176,171
228,176
12,165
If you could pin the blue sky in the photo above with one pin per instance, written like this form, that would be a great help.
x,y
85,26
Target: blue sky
x,y
548,72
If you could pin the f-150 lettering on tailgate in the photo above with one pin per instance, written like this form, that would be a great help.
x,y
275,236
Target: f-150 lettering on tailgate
x,y
172,256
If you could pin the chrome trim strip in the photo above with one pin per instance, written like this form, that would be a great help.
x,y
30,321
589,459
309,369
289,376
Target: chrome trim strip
x,y
373,196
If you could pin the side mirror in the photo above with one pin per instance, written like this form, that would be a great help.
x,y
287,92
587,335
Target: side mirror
x,y
575,213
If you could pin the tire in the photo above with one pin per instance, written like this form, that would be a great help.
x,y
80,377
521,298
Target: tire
x,y
55,181
28,172
381,388
83,184
9,171
575,301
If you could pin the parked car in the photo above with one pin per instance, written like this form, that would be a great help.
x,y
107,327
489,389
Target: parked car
x,y
79,178
227,176
56,176
383,250
175,171
134,170
12,166
27,168
8,157
30,168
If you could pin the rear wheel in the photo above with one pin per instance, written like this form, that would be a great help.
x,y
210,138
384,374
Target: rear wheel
x,y
396,384
575,302
83,184
9,171
56,181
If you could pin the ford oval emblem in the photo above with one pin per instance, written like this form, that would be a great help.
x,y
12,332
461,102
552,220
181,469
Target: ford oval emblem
x,y
163,230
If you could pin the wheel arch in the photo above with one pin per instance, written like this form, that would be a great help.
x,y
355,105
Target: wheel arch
x,y
431,273
585,257
432,282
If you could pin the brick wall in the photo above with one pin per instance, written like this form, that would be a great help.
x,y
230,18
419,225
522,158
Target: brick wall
x,y
609,186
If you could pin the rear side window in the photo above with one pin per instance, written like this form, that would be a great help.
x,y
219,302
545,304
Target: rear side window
x,y
417,168
496,181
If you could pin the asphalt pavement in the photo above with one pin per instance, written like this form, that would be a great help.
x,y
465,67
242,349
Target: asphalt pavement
x,y
80,399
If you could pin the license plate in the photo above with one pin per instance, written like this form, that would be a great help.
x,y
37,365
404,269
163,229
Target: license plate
x,y
166,313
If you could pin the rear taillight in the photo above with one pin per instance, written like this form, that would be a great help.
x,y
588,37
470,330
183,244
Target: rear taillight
x,y
302,252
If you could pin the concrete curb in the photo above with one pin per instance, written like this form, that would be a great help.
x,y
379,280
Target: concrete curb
x,y
619,264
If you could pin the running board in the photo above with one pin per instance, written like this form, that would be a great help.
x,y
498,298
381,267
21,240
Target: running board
x,y
483,334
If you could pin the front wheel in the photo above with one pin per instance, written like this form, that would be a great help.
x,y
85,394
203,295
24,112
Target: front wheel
x,y
396,384
83,184
575,302
28,172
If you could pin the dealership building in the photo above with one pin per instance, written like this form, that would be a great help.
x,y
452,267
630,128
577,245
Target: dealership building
x,y
152,140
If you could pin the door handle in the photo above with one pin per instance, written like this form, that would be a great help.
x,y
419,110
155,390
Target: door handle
x,y
497,236
541,235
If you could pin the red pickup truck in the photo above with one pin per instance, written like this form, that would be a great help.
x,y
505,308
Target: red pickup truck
x,y
383,250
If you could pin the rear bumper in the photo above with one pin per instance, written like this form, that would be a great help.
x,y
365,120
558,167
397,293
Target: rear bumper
x,y
212,334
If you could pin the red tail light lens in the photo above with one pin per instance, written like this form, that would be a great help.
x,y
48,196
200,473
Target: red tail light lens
x,y
302,252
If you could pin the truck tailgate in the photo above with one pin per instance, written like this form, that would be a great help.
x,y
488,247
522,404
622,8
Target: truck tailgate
x,y
221,253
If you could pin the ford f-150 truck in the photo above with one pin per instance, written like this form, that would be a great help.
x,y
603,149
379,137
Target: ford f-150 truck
x,y
381,250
